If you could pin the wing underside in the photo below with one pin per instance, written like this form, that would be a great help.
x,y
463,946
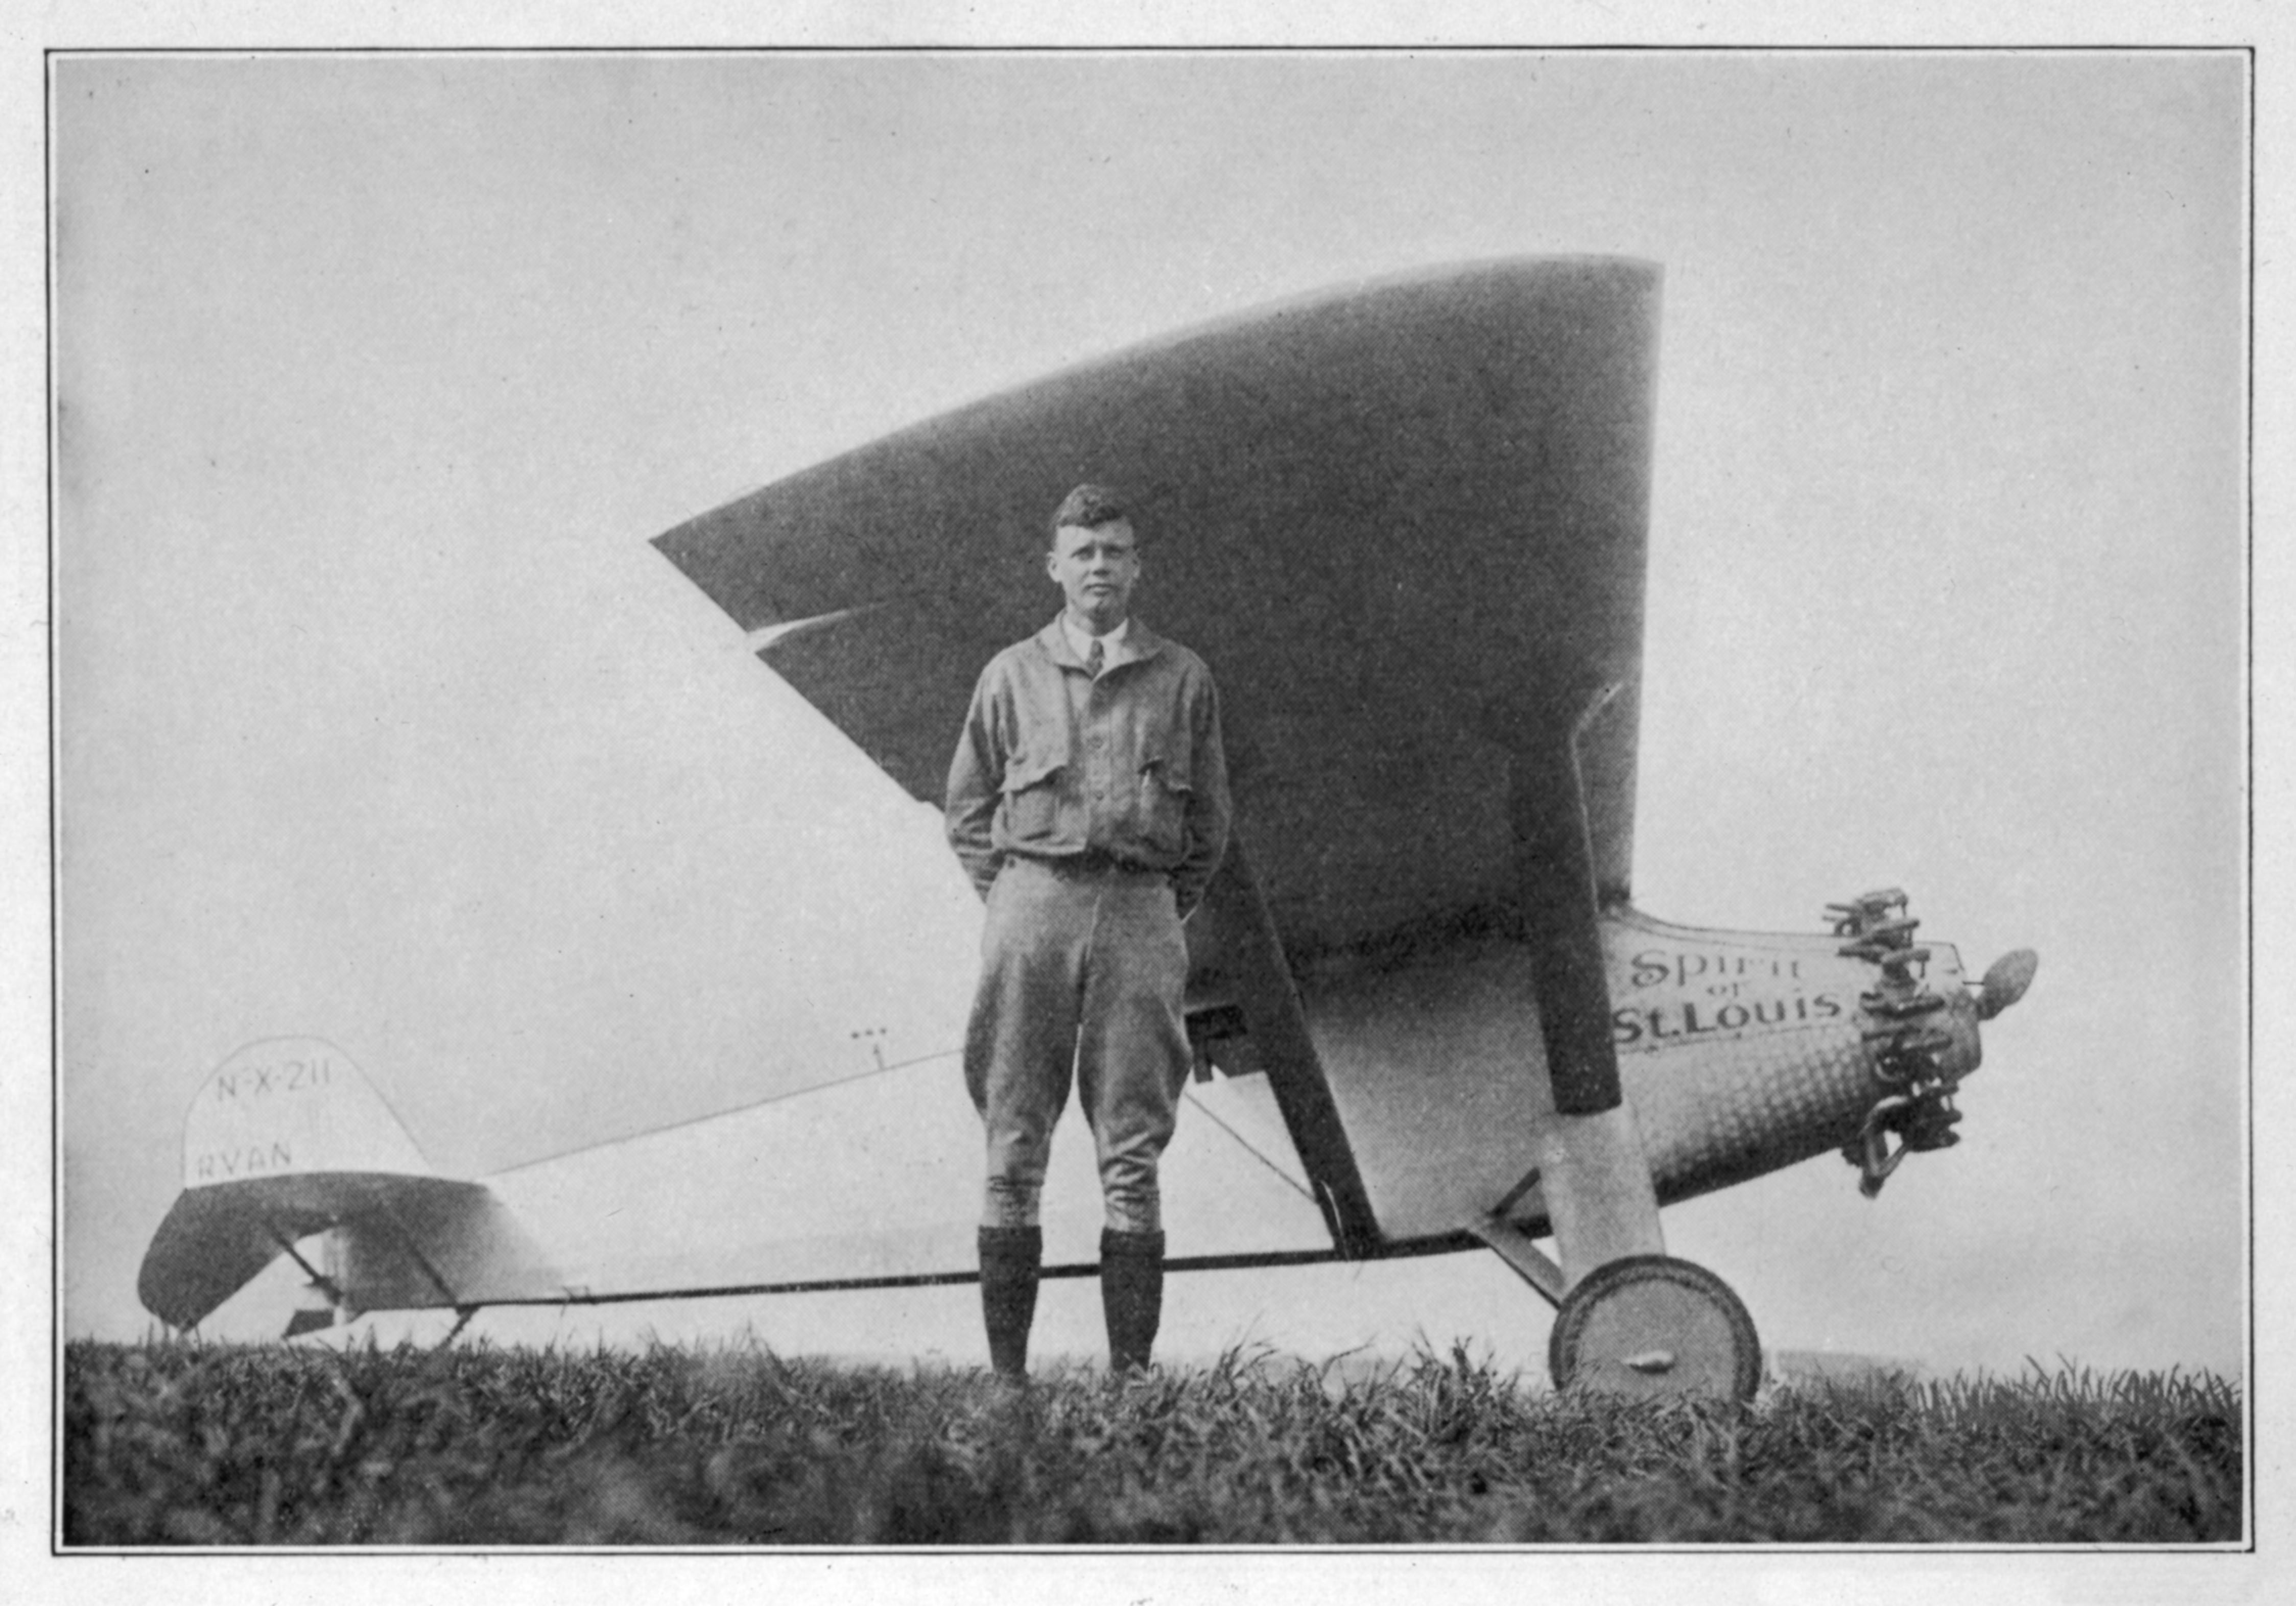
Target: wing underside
x,y
1403,523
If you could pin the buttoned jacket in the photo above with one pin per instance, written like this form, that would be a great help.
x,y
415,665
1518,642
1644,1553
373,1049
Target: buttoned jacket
x,y
1054,765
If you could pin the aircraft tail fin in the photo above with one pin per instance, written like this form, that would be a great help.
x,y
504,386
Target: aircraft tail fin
x,y
288,1106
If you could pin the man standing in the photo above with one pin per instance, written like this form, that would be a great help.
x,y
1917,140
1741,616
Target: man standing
x,y
1088,801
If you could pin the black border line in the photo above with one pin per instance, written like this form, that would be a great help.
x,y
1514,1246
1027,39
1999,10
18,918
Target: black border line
x,y
55,855
2249,1382
2030,47
52,55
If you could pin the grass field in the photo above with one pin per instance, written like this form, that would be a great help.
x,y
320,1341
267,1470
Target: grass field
x,y
206,1445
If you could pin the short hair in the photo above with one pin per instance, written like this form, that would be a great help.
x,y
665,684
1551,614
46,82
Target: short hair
x,y
1087,507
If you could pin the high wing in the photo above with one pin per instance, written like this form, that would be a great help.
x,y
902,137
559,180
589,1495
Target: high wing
x,y
1403,523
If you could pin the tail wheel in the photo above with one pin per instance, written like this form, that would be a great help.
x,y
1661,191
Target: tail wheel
x,y
1651,1325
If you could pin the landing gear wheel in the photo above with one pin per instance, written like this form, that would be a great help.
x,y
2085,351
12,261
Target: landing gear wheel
x,y
1650,1326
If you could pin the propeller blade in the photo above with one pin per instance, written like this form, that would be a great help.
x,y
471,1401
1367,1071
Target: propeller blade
x,y
2006,981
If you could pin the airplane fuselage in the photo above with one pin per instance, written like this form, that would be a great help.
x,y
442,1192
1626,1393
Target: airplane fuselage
x,y
1740,1053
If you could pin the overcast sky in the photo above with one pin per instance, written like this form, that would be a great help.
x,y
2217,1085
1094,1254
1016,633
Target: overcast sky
x,y
380,721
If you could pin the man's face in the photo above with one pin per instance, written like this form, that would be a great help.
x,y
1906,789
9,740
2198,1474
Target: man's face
x,y
1095,570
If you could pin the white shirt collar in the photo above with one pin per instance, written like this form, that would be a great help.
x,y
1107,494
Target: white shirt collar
x,y
1080,640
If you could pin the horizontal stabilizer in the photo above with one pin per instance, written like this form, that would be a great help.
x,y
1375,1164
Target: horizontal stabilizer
x,y
288,1139
216,1240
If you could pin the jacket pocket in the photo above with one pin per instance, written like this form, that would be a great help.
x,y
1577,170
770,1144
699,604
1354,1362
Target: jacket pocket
x,y
1031,806
1164,795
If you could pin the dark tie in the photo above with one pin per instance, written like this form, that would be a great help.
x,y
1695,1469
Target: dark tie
x,y
1094,658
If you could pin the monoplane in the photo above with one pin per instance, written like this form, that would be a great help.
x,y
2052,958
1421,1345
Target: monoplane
x,y
1406,524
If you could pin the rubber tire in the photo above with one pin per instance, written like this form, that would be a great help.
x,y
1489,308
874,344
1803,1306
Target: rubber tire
x,y
1651,1302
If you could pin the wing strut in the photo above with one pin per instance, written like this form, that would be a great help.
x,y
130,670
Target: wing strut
x,y
1555,858
319,1279
1523,1257
1270,1001
309,1318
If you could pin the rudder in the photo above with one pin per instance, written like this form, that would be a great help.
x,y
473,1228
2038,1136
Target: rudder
x,y
288,1105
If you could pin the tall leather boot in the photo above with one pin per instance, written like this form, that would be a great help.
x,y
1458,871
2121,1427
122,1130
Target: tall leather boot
x,y
1010,1258
1131,1295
